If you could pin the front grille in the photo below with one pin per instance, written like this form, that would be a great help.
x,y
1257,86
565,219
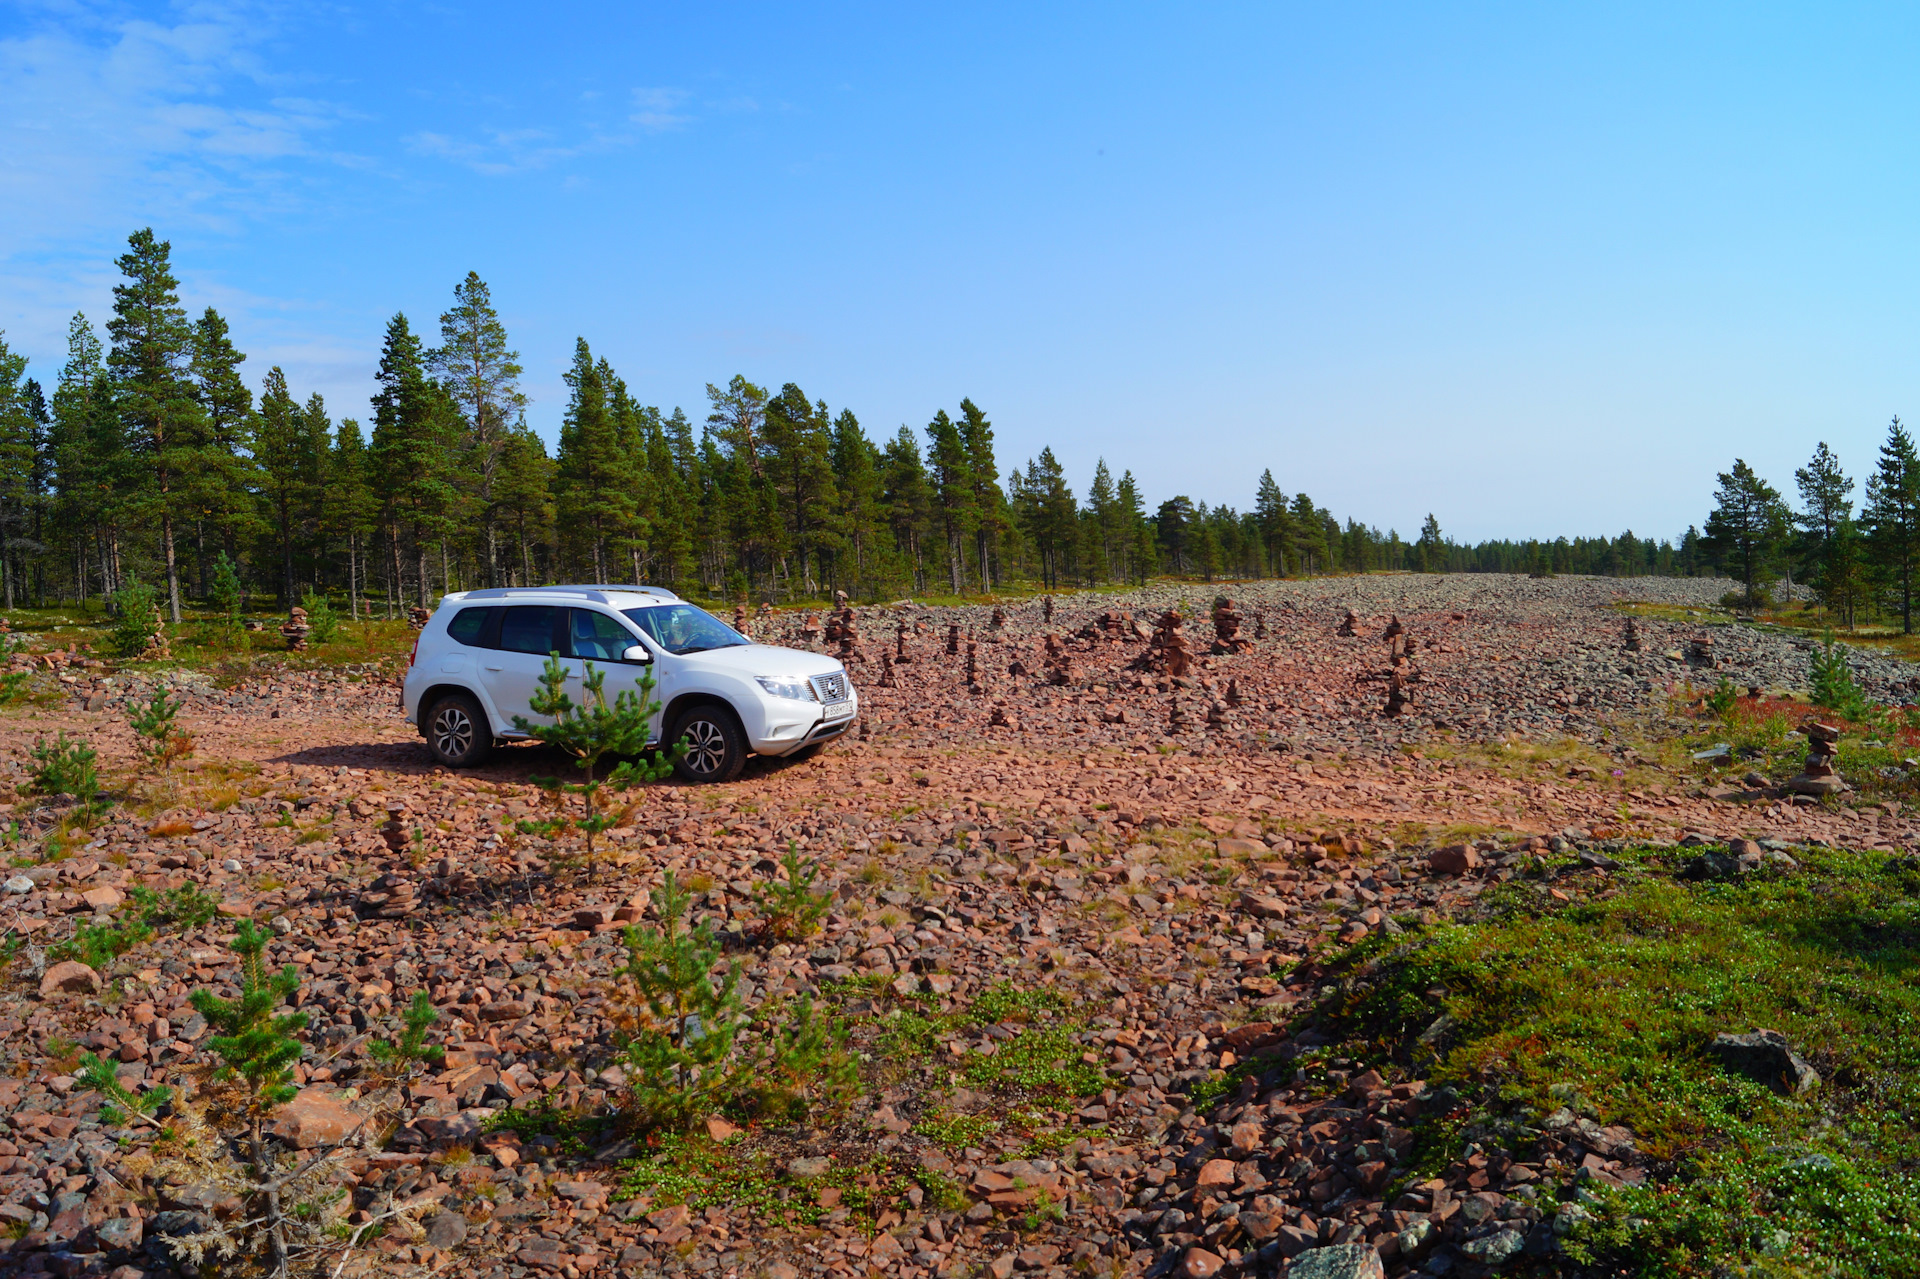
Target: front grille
x,y
830,688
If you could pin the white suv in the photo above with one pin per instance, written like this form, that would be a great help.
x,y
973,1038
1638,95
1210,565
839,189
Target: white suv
x,y
479,660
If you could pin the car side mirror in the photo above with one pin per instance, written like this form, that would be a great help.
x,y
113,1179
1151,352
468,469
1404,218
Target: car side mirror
x,y
636,653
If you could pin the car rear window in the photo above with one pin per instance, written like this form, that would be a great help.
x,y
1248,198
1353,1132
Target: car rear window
x,y
527,629
468,623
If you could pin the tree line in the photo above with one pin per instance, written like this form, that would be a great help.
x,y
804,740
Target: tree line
x,y
153,459
1858,562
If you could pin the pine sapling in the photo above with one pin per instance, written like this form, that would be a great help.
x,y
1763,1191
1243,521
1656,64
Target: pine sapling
x,y
590,730
156,733
790,906
678,1058
403,1059
65,766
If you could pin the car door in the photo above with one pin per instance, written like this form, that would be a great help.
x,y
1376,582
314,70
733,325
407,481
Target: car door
x,y
511,669
596,637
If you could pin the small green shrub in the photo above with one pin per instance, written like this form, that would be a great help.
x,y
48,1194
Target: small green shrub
x,y
134,618
65,766
323,624
157,736
185,908
688,1057
792,909
1833,684
98,945
1720,701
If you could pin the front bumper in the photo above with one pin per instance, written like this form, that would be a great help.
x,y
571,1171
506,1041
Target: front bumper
x,y
784,733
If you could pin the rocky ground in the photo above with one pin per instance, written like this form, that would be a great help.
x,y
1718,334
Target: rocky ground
x,y
1080,905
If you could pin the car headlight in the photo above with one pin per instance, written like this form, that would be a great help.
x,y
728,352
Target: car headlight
x,y
798,689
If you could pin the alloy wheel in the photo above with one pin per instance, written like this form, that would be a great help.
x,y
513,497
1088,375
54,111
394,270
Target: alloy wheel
x,y
452,732
706,746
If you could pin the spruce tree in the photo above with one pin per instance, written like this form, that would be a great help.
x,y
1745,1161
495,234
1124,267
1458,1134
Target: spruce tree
x,y
1105,525
1892,517
353,509
523,488
593,474
858,507
990,515
1270,512
907,496
411,454
18,432
283,447
1824,490
799,438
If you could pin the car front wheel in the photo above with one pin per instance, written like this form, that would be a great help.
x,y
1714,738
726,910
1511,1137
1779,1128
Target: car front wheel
x,y
716,748
457,731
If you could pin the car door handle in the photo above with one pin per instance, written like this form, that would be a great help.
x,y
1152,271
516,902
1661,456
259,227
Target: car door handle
x,y
495,668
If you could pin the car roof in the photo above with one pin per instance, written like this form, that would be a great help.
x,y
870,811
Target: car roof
x,y
614,596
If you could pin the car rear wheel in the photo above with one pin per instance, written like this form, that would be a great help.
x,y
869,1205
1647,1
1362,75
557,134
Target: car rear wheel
x,y
716,748
457,731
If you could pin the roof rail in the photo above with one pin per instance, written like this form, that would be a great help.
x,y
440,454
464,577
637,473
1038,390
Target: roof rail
x,y
596,592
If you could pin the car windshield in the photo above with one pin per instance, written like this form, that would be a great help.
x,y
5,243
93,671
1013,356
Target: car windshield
x,y
683,629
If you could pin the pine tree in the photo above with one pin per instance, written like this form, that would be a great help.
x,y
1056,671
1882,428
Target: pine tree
x,y
523,488
152,348
949,470
1141,559
1892,517
990,515
593,474
1747,525
353,509
799,439
480,374
1431,548
857,511
1270,512
1828,510
283,449
18,432
219,489
412,439
908,497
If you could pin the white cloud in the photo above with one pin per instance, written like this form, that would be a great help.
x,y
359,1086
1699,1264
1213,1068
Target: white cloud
x,y
657,110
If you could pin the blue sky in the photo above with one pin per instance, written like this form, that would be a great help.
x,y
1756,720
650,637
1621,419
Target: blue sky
x,y
1536,269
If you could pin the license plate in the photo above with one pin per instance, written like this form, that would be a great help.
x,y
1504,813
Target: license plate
x,y
837,710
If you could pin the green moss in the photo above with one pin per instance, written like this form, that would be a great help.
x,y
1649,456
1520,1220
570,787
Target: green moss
x,y
1621,997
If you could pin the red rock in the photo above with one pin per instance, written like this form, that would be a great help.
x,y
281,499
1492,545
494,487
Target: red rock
x,y
70,977
315,1117
1454,859
1201,1264
1217,1172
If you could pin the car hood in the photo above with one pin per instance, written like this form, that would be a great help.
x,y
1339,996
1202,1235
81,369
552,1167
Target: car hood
x,y
763,659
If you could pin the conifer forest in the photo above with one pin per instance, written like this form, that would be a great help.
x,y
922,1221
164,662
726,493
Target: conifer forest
x,y
158,454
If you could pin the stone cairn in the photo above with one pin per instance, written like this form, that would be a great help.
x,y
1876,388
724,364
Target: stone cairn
x,y
1400,673
848,634
1001,717
887,679
1259,623
1819,776
1700,652
998,621
417,617
1046,610
1170,650
1349,625
900,655
766,617
973,667
1059,662
810,629
1233,693
296,629
394,832
1226,628
1631,640
450,879
953,640
392,896
1176,718
1216,713
156,648
740,618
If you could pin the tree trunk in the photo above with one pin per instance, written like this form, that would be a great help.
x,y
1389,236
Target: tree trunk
x,y
173,568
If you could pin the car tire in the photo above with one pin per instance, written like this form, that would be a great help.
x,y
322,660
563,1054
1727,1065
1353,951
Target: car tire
x,y
458,734
716,748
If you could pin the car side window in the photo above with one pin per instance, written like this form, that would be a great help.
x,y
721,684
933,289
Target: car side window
x,y
468,625
598,637
527,629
